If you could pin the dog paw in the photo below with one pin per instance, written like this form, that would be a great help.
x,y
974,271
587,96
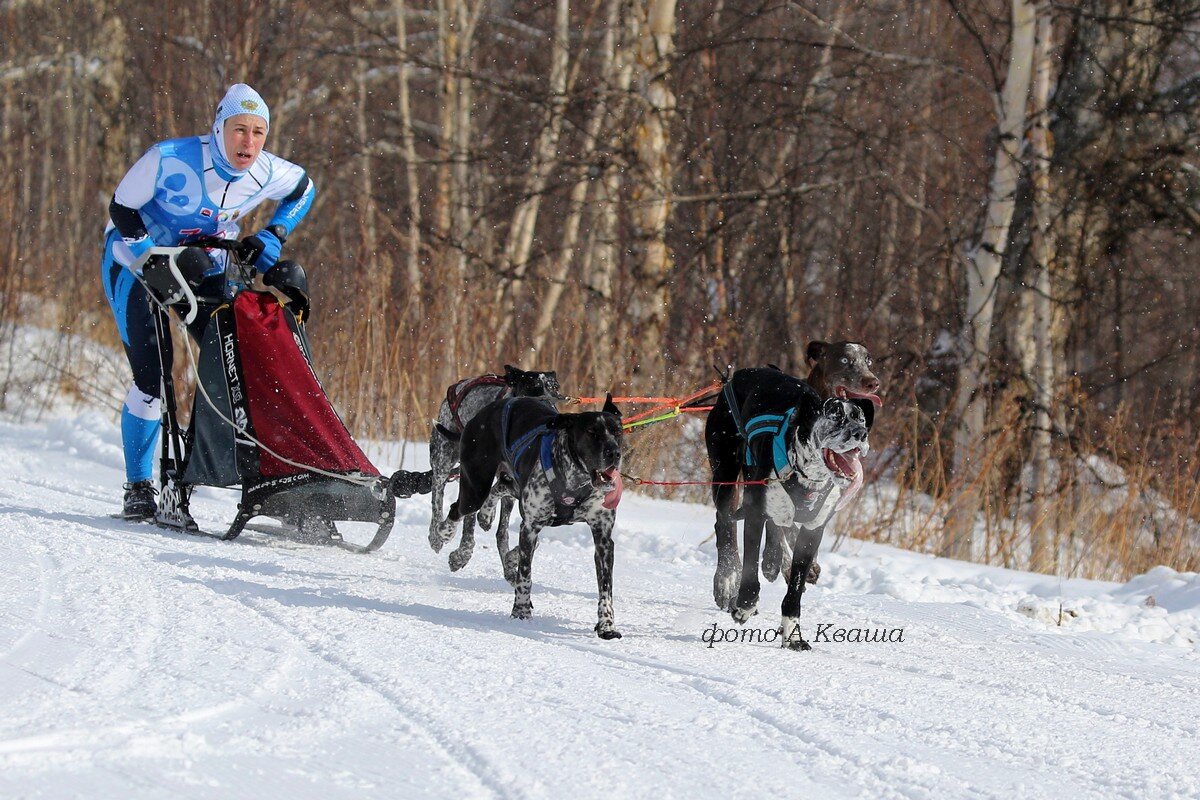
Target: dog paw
x,y
770,565
789,635
724,588
608,633
438,537
742,615
522,610
511,562
459,559
484,517
814,573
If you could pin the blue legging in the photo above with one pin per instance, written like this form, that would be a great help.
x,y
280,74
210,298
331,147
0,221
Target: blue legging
x,y
141,415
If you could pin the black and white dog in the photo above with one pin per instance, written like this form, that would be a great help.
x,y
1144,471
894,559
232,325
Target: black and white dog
x,y
767,425
463,401
835,369
562,468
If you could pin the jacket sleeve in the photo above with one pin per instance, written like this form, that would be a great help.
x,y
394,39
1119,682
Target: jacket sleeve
x,y
295,205
135,190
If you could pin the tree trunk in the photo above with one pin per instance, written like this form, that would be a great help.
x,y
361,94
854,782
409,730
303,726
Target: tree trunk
x,y
110,96
545,156
1043,372
982,266
379,279
452,265
414,303
652,191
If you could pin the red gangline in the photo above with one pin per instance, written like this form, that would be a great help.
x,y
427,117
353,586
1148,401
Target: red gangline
x,y
647,482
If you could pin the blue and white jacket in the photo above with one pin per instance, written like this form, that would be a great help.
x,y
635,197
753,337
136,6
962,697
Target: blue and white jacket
x,y
174,193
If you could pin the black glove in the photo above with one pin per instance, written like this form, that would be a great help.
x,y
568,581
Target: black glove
x,y
160,282
289,279
193,262
262,249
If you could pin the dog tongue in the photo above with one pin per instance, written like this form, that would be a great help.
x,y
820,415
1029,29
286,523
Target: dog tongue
x,y
856,481
611,499
874,398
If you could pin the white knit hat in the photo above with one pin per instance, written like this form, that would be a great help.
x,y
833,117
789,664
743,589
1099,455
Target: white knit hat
x,y
239,99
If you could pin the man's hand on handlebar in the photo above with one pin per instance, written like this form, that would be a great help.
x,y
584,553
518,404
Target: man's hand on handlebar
x,y
262,249
192,263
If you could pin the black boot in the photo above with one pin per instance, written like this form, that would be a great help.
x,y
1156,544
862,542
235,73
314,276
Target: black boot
x,y
139,500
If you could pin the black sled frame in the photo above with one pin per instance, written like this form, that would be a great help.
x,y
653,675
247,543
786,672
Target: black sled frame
x,y
308,505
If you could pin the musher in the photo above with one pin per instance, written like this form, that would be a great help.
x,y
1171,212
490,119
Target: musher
x,y
179,190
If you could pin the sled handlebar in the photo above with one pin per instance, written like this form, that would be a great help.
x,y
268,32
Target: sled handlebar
x,y
171,253
232,246
214,243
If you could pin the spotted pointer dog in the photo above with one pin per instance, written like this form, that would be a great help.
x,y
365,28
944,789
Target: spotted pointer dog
x,y
463,401
769,426
835,369
562,468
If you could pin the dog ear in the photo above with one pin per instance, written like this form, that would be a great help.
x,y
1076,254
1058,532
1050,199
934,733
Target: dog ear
x,y
834,408
610,407
868,409
808,409
815,351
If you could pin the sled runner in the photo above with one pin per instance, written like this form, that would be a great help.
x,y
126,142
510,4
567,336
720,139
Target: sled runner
x,y
262,422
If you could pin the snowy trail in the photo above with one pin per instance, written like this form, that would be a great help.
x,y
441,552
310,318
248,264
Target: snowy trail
x,y
138,663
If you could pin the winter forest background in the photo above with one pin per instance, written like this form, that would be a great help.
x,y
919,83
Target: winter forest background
x,y
998,197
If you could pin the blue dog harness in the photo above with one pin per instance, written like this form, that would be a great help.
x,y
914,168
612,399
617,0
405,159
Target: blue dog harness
x,y
566,498
773,425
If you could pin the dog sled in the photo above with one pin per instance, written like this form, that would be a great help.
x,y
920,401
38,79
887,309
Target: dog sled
x,y
262,423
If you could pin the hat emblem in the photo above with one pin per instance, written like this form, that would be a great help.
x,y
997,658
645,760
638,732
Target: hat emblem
x,y
249,105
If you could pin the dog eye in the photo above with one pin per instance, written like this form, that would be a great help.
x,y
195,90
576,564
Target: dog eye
x,y
845,360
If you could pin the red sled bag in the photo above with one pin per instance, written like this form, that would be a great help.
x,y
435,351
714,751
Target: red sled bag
x,y
263,421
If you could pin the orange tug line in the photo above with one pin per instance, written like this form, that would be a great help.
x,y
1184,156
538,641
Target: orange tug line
x,y
661,404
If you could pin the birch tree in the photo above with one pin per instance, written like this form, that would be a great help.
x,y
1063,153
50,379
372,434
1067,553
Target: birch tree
x,y
414,305
982,264
1039,295
652,192
519,243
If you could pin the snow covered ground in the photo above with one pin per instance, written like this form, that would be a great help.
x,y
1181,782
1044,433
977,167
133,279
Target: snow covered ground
x,y
143,664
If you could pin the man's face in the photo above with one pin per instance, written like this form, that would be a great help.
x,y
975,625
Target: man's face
x,y
244,135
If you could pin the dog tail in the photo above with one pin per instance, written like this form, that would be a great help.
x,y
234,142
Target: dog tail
x,y
444,431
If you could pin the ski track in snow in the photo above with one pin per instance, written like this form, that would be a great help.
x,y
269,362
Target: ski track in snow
x,y
140,663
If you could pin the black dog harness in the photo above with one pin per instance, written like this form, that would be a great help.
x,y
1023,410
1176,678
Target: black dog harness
x,y
774,425
566,498
458,392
